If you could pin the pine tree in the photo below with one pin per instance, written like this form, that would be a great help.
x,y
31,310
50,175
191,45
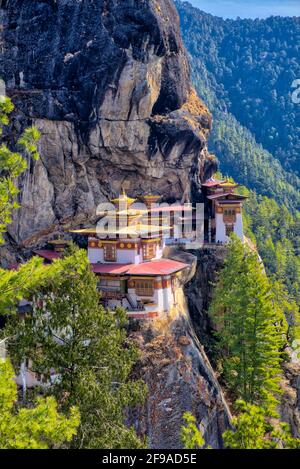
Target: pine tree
x,y
250,428
251,327
71,336
12,164
18,284
40,427
191,436
253,429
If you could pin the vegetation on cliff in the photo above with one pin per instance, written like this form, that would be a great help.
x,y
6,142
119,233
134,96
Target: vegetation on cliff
x,y
191,436
40,427
244,71
251,327
277,234
253,429
251,331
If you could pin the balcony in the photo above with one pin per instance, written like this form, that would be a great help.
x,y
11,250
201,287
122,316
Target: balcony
x,y
111,293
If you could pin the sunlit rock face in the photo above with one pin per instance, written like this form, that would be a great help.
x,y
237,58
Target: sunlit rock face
x,y
107,83
178,375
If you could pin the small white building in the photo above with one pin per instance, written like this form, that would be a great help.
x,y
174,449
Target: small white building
x,y
144,290
223,211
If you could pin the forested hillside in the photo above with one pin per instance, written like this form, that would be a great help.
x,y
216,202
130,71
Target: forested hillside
x,y
244,70
277,235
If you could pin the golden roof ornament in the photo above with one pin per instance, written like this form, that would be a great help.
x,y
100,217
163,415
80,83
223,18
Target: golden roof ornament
x,y
123,200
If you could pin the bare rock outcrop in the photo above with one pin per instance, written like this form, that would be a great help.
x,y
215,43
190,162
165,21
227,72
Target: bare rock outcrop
x,y
107,83
180,379
290,401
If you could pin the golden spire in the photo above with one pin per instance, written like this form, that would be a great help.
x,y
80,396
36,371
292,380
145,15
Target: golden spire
x,y
123,199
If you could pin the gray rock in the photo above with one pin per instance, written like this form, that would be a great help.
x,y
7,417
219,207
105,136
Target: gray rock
x,y
107,83
180,379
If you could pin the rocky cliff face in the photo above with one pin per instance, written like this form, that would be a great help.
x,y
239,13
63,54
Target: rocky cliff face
x,y
290,402
199,292
180,378
174,363
107,83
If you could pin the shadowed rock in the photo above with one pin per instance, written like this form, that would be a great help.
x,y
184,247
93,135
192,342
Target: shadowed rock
x,y
107,83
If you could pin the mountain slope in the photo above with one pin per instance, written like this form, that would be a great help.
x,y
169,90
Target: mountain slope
x,y
248,124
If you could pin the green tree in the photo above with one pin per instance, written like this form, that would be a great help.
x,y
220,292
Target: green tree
x,y
41,426
251,327
253,429
12,165
238,69
38,428
277,235
20,283
290,308
87,349
250,428
191,436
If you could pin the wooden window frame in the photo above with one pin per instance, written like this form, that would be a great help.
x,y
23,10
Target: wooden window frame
x,y
144,287
110,252
149,251
229,215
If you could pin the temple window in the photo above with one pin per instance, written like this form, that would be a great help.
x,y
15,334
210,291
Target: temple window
x,y
149,251
109,285
110,253
144,287
229,215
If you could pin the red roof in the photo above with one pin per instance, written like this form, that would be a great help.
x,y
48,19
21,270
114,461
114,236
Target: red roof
x,y
112,269
228,196
159,267
211,183
48,254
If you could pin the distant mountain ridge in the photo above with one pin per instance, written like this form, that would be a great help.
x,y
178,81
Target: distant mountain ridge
x,y
243,69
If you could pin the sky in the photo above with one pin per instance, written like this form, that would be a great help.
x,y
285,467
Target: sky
x,y
249,8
